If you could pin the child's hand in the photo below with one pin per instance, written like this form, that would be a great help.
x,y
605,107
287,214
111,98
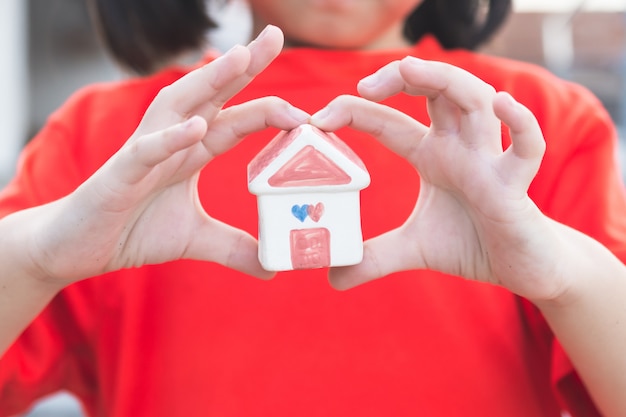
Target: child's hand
x,y
142,206
473,217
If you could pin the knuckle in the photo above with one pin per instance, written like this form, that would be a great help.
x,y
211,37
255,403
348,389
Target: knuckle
x,y
264,102
344,100
165,94
275,101
490,92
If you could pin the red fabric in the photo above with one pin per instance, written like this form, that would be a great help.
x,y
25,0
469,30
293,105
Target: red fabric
x,y
195,339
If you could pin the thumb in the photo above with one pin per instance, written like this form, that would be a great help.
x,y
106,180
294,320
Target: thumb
x,y
383,255
226,245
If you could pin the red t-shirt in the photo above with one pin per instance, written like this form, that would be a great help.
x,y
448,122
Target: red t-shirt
x,y
190,338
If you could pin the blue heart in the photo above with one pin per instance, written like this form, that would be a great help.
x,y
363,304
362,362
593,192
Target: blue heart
x,y
300,212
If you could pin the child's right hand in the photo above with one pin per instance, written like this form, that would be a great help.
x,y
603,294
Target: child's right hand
x,y
141,207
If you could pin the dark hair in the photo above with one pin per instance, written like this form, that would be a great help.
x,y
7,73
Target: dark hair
x,y
457,23
143,34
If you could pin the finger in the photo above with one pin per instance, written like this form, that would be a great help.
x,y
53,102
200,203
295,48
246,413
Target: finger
x,y
458,101
433,79
427,78
382,255
204,90
262,52
228,246
384,83
527,138
521,161
201,86
394,129
141,155
454,94
236,122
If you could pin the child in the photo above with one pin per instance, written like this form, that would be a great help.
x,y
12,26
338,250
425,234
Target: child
x,y
159,332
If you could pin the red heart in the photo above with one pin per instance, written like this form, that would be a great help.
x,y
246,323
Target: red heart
x,y
315,212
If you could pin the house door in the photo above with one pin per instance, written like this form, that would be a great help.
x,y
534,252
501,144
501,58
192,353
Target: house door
x,y
310,248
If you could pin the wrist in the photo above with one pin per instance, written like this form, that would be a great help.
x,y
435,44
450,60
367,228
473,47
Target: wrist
x,y
20,247
585,269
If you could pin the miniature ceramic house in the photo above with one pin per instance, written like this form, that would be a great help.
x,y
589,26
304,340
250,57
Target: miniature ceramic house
x,y
307,184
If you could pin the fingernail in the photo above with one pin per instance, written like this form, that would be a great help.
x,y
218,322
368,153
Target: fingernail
x,y
263,32
509,99
189,122
413,61
222,56
299,115
233,48
185,124
370,80
321,114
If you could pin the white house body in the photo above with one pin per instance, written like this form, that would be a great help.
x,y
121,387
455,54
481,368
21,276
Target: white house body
x,y
307,184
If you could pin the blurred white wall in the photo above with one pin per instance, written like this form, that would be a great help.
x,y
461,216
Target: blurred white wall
x,y
234,24
561,6
13,83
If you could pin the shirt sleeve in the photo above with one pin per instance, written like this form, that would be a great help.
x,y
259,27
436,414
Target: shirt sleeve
x,y
51,354
40,178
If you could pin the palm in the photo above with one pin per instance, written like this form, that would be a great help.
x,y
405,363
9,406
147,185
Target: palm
x,y
158,226
145,214
465,203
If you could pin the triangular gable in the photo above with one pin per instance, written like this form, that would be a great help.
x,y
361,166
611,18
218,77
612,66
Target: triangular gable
x,y
341,146
285,138
309,159
308,167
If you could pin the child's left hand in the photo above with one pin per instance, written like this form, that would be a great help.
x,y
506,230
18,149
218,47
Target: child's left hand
x,y
473,217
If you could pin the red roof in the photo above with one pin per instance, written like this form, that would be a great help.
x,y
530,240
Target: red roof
x,y
316,166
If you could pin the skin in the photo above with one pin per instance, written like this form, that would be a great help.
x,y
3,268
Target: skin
x,y
337,24
577,283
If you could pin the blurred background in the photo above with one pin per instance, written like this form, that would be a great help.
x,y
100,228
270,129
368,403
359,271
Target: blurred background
x,y
50,50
